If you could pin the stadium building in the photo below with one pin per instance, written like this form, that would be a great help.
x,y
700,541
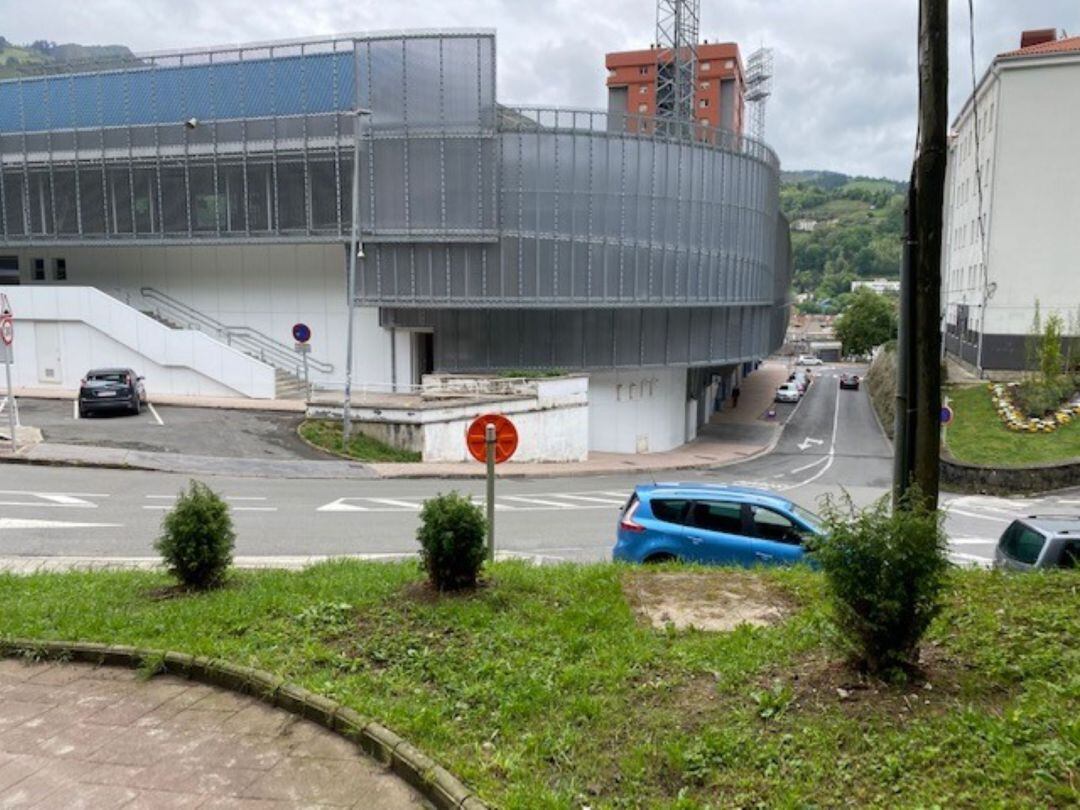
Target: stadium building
x,y
181,211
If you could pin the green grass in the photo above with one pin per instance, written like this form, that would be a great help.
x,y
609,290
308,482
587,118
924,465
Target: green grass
x,y
327,435
542,690
978,436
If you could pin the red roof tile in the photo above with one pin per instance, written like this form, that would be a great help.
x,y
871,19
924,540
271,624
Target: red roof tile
x,y
1069,44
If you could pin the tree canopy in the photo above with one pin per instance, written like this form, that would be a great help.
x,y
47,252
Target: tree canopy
x,y
868,321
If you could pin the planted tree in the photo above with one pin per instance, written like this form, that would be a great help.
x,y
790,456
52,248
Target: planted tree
x,y
197,538
868,321
885,571
451,536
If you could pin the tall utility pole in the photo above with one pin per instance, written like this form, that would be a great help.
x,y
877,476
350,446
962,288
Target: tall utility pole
x,y
356,251
918,414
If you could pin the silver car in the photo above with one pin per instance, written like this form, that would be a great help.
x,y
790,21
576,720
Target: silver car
x,y
1040,541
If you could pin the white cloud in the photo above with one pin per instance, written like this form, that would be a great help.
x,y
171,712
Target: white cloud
x,y
845,88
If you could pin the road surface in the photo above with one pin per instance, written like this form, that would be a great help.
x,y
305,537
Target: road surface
x,y
831,443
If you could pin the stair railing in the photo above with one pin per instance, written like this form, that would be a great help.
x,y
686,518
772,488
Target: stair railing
x,y
244,338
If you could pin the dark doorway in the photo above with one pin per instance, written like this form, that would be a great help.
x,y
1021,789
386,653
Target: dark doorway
x,y
423,355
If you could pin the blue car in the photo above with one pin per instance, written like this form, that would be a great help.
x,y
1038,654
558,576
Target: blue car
x,y
712,524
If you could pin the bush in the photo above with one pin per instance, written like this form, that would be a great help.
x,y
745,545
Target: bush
x,y
197,538
881,383
885,572
451,536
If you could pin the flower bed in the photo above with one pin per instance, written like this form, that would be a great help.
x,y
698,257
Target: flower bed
x,y
1016,420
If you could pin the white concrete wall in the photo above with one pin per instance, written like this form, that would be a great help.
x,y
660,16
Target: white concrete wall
x,y
1029,117
63,332
268,287
1035,242
637,411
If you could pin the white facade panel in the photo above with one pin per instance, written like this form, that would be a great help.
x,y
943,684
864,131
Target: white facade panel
x,y
641,411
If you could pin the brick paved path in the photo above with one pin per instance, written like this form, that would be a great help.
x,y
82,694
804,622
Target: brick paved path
x,y
73,735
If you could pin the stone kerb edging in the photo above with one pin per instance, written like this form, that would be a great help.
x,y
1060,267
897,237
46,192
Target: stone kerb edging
x,y
436,783
965,477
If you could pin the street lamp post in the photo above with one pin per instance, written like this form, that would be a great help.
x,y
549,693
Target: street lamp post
x,y
356,250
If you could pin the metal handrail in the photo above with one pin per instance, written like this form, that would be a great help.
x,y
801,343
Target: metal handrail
x,y
248,339
533,118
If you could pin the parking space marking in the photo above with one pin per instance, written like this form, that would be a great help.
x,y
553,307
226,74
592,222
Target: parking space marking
x,y
61,500
153,410
164,507
540,502
400,504
75,408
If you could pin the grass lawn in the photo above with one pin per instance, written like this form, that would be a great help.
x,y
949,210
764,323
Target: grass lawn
x,y
978,436
327,435
545,690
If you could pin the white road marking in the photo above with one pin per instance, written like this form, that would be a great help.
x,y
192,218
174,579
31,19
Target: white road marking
x,y
62,500
590,499
831,457
75,408
540,502
809,442
391,502
805,467
19,523
340,505
1073,501
949,510
164,507
986,562
153,410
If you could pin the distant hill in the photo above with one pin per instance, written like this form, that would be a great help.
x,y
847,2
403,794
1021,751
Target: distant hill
x,y
41,56
843,228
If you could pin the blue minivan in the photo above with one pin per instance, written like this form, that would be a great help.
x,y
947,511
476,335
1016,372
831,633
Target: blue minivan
x,y
713,524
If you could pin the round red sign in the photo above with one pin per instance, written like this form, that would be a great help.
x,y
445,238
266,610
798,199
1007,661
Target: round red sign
x,y
506,437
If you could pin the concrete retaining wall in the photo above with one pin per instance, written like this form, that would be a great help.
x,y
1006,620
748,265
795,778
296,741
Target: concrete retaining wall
x,y
963,477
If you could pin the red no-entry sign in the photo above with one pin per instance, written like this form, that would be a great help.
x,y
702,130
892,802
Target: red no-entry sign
x,y
506,437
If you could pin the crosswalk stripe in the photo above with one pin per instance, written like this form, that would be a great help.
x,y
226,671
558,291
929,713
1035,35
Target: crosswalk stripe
x,y
591,499
539,501
392,502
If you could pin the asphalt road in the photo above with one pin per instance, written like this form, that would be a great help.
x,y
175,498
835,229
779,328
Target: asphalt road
x,y
831,444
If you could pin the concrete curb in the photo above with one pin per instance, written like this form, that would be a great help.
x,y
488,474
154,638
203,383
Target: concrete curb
x,y
437,784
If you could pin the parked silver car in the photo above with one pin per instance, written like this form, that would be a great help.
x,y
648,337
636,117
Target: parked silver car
x,y
1040,541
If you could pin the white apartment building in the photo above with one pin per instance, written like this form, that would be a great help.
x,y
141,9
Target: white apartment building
x,y
878,285
1016,140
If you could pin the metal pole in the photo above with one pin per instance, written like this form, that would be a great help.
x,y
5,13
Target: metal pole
x,y
11,398
489,443
355,249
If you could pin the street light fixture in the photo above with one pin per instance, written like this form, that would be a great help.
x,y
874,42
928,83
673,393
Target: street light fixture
x,y
356,251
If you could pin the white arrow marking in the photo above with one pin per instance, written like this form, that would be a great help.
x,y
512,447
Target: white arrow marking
x,y
808,442
341,505
19,523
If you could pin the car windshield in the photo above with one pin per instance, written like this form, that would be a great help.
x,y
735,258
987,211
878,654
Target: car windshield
x,y
108,376
809,518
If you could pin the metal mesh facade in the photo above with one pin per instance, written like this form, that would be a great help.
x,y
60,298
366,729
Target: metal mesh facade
x,y
523,236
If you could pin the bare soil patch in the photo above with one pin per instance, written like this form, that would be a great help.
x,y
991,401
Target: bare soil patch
x,y
717,601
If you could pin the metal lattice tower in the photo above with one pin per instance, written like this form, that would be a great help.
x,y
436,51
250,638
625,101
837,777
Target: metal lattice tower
x,y
759,76
677,24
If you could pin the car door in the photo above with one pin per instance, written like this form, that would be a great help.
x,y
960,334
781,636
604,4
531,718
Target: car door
x,y
715,534
778,540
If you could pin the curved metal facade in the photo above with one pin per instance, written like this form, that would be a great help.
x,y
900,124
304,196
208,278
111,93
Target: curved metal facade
x,y
522,236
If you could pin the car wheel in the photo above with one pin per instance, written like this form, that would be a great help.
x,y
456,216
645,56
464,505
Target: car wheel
x,y
661,557
136,407
83,413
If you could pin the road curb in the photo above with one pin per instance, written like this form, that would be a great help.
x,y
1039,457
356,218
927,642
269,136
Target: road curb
x,y
437,784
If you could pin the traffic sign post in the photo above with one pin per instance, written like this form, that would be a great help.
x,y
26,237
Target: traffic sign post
x,y
7,339
946,418
301,333
491,439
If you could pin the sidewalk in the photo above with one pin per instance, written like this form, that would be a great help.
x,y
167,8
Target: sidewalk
x,y
756,396
76,735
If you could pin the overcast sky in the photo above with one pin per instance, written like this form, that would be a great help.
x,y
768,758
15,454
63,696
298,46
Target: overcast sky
x,y
845,87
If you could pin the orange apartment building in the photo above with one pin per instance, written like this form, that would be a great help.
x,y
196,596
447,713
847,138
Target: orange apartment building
x,y
721,85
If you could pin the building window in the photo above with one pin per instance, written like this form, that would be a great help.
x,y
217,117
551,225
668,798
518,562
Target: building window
x,y
642,108
705,85
644,70
703,102
729,64
39,269
60,269
706,66
644,89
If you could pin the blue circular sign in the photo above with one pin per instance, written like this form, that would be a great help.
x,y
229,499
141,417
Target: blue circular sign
x,y
946,414
301,332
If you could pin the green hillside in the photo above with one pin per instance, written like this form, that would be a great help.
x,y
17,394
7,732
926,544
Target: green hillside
x,y
39,56
843,228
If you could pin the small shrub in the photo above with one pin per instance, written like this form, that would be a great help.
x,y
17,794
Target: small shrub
x,y
451,536
885,572
197,538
